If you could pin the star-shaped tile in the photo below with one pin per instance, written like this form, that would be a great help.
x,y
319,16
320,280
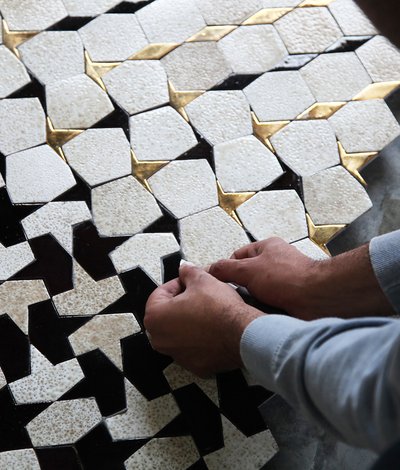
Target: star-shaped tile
x,y
321,235
56,138
265,130
355,162
143,170
13,39
229,202
180,99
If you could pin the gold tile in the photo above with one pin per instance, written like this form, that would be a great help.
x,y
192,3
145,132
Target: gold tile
x,y
231,201
142,170
264,130
180,99
377,91
212,33
56,138
315,3
13,39
97,70
154,51
321,235
321,110
267,16
355,162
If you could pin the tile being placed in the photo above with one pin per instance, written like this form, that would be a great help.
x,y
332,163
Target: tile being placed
x,y
23,459
99,155
76,103
333,196
220,116
13,74
14,258
54,55
89,7
351,19
275,214
365,126
310,249
227,11
161,134
37,175
185,187
279,95
123,208
32,15
138,85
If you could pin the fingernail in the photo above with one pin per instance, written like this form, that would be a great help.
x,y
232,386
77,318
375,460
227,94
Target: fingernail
x,y
187,263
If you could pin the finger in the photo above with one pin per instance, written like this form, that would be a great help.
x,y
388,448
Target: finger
x,y
232,270
165,293
249,251
190,275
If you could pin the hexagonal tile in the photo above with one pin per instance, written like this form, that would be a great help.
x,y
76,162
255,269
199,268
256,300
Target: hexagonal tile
x,y
351,19
88,7
32,15
227,11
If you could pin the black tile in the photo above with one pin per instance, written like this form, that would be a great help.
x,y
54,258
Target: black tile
x,y
236,82
34,89
80,192
60,458
165,224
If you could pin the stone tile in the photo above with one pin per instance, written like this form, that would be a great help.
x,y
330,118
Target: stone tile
x,y
185,187
220,116
113,37
307,30
76,103
23,124
364,126
351,19
14,258
336,77
58,219
123,208
37,175
227,11
209,236
245,164
64,422
280,3
105,332
32,15
196,66
307,146
23,459
2,183
99,155
174,136
13,74
310,249
279,95
333,196
146,251
89,7
253,49
274,214
138,85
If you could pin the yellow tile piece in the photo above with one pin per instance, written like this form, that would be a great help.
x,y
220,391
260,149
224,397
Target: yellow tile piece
x,y
13,39
264,130
154,51
267,16
229,202
315,3
142,170
377,91
355,162
321,235
180,99
56,138
212,33
321,110
97,70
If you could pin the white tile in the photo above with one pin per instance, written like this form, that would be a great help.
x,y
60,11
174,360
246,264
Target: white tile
x,y
64,422
310,249
306,30
58,219
351,19
280,3
17,296
381,59
32,15
76,103
333,196
170,20
89,7
146,251
220,116
54,55
13,74
123,208
185,187
14,258
105,332
209,236
2,182
307,146
364,126
23,459
143,418
113,37
279,95
99,155
138,85
37,175
3,380
275,214
23,124
253,49
336,77
161,134
46,382
227,11
88,297
245,164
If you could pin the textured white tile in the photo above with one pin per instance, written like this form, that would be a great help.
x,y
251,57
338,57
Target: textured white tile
x,y
2,182
99,155
76,102
307,146
146,251
88,297
3,380
220,116
113,37
245,164
13,74
14,258
58,219
280,3
64,422
253,49
89,7
170,20
161,134
363,126
123,207
381,59
275,214
32,15
336,77
23,124
185,187
24,459
333,196
143,418
37,175
196,66
105,332
310,249
279,95
306,30
227,11
351,19
138,85
209,236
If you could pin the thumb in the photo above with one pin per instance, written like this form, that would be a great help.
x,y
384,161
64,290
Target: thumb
x,y
190,274
232,270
